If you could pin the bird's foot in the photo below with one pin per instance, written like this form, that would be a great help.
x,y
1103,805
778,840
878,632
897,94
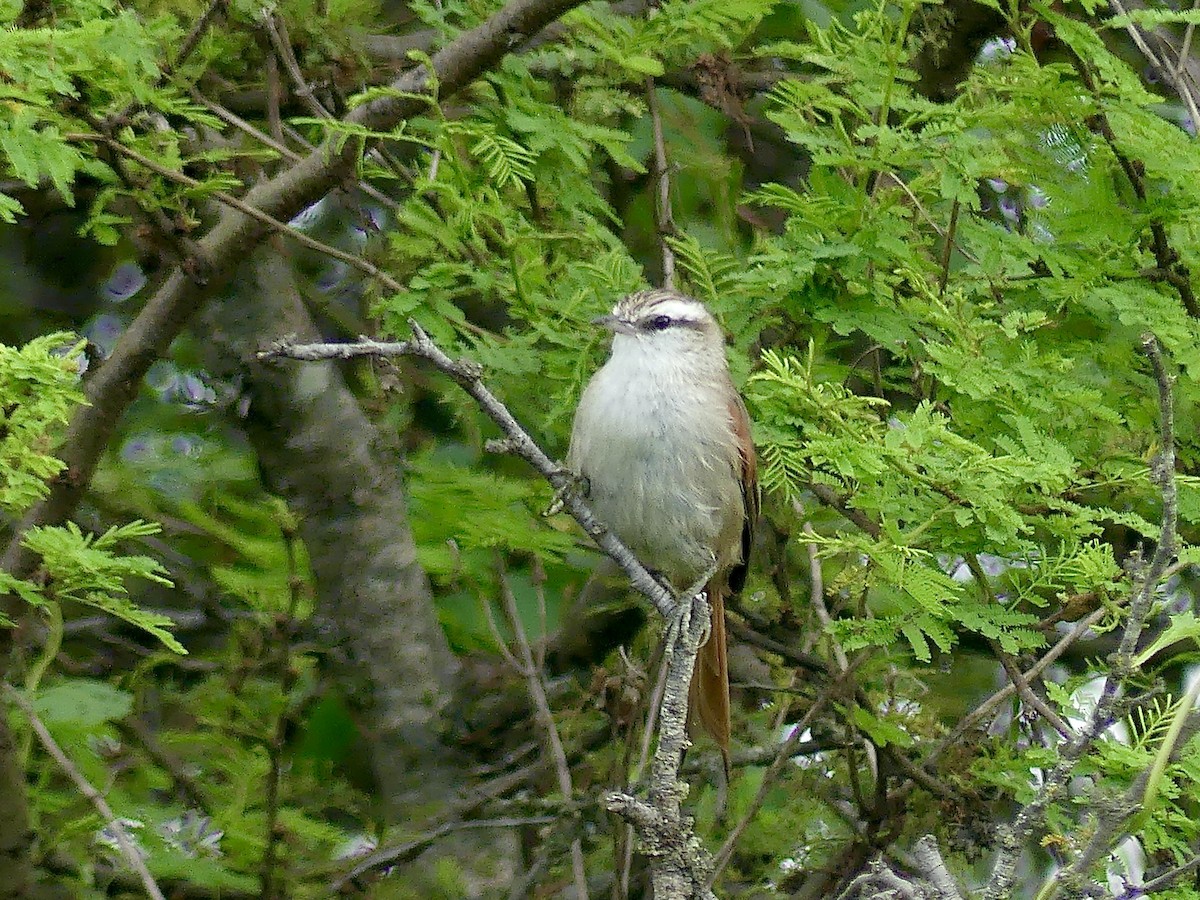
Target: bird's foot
x,y
574,482
690,623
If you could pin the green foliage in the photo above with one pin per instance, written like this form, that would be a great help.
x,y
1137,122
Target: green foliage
x,y
86,569
39,386
81,702
935,309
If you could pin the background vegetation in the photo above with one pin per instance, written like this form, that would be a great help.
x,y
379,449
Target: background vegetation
x,y
260,612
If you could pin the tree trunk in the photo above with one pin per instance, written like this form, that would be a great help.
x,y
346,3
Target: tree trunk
x,y
319,451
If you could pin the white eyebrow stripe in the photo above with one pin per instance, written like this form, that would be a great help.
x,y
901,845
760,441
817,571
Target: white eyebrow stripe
x,y
678,310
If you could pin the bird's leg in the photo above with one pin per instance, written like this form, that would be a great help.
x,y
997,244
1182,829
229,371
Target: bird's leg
x,y
685,603
574,482
679,623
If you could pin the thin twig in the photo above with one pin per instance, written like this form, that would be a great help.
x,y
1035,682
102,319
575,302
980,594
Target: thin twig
x,y
410,850
783,754
215,9
236,121
1172,74
948,250
788,748
274,101
1173,270
241,206
1166,879
1009,664
541,706
131,853
664,218
1186,48
276,32
281,639
985,709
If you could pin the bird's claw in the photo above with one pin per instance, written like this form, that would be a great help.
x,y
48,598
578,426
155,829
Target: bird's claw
x,y
684,624
574,482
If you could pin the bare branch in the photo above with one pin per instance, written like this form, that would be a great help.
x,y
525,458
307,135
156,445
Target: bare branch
x,y
277,32
680,867
410,850
664,218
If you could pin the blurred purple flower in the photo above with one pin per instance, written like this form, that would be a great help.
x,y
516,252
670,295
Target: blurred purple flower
x,y
997,49
191,388
1010,209
67,351
184,445
192,835
1188,125
1036,197
999,185
125,281
135,449
103,331
107,837
194,391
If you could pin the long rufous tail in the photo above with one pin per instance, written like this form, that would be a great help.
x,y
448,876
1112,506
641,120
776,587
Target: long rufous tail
x,y
709,697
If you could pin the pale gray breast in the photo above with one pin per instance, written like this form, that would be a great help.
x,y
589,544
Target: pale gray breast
x,y
661,465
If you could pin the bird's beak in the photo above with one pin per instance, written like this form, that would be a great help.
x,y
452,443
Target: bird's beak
x,y
613,324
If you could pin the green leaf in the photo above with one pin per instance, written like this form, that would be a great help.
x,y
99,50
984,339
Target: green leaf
x,y
645,65
882,732
1183,627
82,702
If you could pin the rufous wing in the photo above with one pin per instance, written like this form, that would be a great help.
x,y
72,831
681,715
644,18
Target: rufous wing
x,y
709,698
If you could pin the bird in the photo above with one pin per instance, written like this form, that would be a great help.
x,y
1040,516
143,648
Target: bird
x,y
661,442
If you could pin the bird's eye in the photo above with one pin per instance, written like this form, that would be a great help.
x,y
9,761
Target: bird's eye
x,y
658,323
